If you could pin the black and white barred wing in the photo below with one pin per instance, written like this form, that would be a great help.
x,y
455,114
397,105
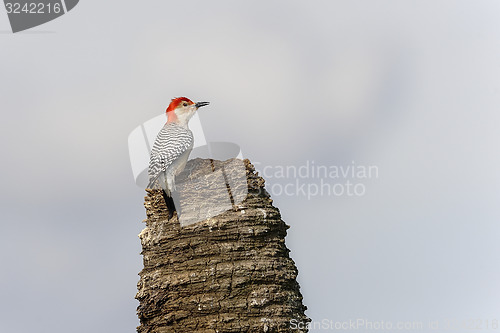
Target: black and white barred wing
x,y
172,141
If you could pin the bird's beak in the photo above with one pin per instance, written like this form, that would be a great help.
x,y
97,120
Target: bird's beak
x,y
200,104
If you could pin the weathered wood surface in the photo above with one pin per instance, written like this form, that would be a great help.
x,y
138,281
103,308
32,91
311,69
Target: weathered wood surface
x,y
228,273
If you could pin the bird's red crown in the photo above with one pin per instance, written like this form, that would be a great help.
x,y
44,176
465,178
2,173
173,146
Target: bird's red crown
x,y
176,101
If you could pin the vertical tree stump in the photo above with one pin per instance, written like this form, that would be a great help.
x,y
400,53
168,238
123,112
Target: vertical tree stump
x,y
228,273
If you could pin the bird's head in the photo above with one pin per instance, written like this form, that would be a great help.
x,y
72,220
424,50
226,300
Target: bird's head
x,y
181,109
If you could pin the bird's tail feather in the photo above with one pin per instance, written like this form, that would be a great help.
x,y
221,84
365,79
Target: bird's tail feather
x,y
169,202
153,182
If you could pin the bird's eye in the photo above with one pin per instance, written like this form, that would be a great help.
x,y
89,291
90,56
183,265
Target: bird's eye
x,y
185,104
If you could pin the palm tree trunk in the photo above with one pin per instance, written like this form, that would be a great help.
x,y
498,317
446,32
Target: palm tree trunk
x,y
225,273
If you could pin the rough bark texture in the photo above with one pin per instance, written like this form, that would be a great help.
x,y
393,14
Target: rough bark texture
x,y
228,273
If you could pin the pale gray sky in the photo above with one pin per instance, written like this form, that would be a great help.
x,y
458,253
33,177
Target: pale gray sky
x,y
409,86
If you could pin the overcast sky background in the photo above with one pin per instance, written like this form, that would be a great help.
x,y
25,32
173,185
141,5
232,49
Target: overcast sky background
x,y
412,87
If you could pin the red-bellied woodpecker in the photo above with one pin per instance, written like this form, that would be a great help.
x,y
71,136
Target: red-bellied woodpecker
x,y
172,147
